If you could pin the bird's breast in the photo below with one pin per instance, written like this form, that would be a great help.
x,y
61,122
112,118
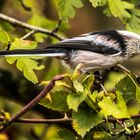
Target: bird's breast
x,y
91,61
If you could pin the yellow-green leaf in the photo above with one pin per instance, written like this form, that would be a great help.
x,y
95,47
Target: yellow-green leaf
x,y
84,120
57,102
78,86
74,100
134,22
119,8
97,3
25,64
66,8
117,110
4,37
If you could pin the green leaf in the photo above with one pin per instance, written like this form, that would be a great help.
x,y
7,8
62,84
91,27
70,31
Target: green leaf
x,y
56,101
25,64
66,135
133,107
39,37
66,8
76,72
78,86
134,22
74,100
97,3
113,79
88,81
31,4
119,9
4,37
127,88
41,21
84,120
23,44
138,93
93,99
137,88
6,26
117,110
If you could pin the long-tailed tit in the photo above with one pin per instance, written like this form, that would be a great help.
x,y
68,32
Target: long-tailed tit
x,y
96,51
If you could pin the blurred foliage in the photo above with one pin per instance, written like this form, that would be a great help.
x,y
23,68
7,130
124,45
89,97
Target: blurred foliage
x,y
91,110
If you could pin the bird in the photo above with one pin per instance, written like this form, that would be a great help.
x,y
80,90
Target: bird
x,y
96,51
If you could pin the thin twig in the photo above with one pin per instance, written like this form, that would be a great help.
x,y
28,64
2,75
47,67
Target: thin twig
x,y
28,34
104,89
16,22
23,120
24,6
57,26
33,102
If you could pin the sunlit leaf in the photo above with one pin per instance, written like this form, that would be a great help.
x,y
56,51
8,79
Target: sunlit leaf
x,y
97,3
25,64
84,120
4,37
78,86
119,8
74,100
66,8
117,110
76,72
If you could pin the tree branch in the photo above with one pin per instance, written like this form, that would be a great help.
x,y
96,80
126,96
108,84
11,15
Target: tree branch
x,y
23,120
33,102
28,34
16,22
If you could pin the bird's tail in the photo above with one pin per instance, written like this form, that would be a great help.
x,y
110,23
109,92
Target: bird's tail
x,y
48,52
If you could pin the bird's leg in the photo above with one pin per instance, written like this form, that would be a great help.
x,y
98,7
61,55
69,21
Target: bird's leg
x,y
98,81
100,78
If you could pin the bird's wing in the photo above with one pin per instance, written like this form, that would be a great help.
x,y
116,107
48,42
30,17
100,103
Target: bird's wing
x,y
106,42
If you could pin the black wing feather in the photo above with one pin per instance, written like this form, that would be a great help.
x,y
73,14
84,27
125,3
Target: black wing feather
x,y
107,42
